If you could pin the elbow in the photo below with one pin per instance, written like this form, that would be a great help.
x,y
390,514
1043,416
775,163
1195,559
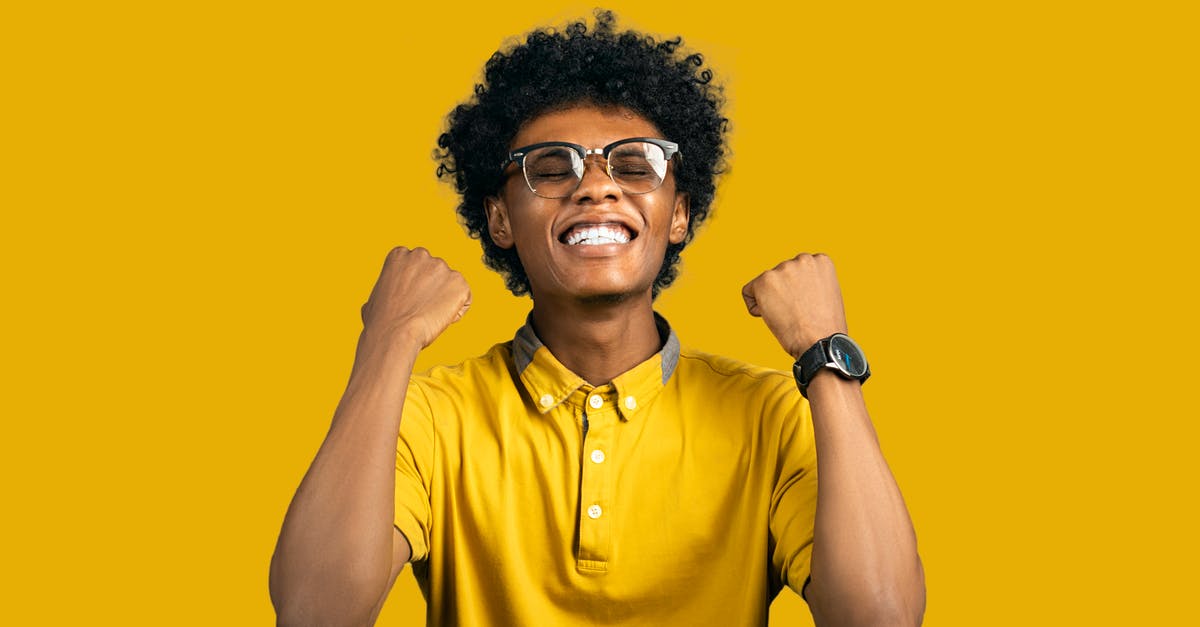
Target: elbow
x,y
898,602
912,608
289,612
883,614
904,606
299,609
302,601
306,615
901,604
289,616
879,613
907,611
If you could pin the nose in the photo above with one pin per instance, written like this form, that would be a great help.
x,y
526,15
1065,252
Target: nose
x,y
596,183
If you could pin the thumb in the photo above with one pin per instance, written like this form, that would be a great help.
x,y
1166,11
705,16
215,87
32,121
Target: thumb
x,y
751,301
462,310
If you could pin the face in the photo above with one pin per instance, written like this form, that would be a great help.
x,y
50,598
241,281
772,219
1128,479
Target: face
x,y
551,236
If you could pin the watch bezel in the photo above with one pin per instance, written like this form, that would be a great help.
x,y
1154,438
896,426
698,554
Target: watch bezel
x,y
819,356
856,351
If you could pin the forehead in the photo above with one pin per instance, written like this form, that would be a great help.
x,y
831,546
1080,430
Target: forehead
x,y
588,125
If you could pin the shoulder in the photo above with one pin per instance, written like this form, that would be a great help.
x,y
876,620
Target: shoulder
x,y
707,368
472,378
735,387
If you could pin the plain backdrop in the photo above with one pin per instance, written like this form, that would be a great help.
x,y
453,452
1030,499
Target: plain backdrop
x,y
196,198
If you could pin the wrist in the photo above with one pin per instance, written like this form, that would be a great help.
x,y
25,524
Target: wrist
x,y
394,341
836,354
801,343
827,382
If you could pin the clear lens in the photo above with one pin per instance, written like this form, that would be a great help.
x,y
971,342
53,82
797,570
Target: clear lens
x,y
555,171
638,167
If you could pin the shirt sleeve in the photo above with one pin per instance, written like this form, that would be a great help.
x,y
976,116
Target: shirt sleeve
x,y
414,471
794,497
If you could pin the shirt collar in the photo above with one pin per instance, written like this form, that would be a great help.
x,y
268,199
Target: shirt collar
x,y
550,383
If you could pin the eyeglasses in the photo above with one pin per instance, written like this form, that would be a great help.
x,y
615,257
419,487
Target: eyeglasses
x,y
637,165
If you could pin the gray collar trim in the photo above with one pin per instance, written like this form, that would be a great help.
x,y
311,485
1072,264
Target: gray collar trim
x,y
526,343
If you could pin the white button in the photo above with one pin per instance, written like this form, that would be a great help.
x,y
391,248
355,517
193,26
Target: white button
x,y
595,402
630,402
547,400
597,456
594,511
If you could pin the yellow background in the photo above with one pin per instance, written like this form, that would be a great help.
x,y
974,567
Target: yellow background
x,y
196,198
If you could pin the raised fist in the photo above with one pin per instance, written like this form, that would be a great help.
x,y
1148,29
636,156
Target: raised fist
x,y
416,294
800,301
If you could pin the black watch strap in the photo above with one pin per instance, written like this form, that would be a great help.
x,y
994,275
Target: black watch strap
x,y
818,357
809,364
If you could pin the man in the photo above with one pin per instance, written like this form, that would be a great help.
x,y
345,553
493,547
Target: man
x,y
591,471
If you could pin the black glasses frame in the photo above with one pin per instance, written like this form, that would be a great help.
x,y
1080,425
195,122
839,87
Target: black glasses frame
x,y
669,148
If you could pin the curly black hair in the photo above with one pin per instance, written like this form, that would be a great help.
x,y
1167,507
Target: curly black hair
x,y
552,70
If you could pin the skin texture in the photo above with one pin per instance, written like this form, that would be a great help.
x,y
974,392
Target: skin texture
x,y
338,553
592,305
658,77
865,567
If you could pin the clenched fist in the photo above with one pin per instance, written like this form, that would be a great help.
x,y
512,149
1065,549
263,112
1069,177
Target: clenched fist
x,y
417,294
799,300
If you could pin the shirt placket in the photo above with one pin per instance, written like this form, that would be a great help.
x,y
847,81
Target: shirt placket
x,y
595,504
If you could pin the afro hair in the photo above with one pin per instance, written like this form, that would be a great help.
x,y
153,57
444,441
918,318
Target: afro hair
x,y
553,70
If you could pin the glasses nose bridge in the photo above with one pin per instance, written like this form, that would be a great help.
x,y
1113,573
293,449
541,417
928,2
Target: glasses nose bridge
x,y
601,162
598,153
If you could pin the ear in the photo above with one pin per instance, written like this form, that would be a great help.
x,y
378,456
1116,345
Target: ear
x,y
498,226
680,217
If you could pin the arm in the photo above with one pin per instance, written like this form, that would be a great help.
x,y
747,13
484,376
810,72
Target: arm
x,y
338,552
865,567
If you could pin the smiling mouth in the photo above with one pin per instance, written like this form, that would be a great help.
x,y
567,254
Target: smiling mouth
x,y
596,235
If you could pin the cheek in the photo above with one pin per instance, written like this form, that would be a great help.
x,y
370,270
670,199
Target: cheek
x,y
532,242
664,221
530,222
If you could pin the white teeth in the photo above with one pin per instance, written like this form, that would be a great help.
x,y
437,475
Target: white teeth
x,y
597,235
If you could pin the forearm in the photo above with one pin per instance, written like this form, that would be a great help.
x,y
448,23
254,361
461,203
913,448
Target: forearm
x,y
865,567
333,561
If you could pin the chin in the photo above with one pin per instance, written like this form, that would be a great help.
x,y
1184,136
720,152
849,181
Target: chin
x,y
605,299
612,294
600,288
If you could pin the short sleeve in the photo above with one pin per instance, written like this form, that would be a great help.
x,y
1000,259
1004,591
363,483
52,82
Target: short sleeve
x,y
414,471
794,496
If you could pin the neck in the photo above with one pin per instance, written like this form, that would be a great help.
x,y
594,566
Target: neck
x,y
598,340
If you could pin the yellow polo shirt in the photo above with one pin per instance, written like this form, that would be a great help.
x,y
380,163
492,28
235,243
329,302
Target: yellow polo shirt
x,y
681,493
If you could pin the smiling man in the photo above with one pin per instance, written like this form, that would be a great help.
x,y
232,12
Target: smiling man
x,y
591,470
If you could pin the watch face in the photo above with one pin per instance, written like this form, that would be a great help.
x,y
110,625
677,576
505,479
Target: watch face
x,y
847,355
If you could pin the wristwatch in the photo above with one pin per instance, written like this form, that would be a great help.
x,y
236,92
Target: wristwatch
x,y
837,352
